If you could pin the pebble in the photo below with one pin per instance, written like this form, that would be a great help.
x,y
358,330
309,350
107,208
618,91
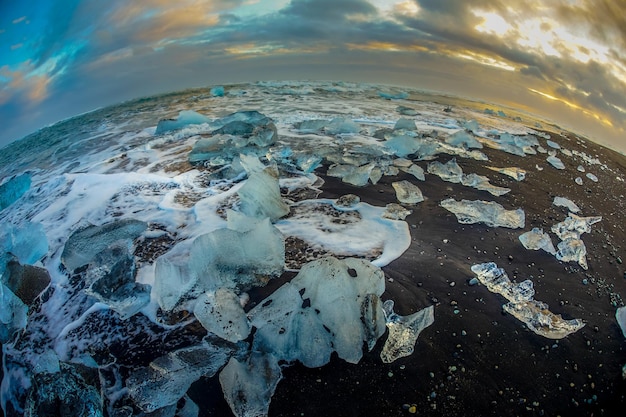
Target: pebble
x,y
585,281
474,280
412,409
452,284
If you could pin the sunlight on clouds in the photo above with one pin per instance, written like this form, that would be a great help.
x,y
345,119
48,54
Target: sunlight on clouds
x,y
483,59
402,7
386,46
574,106
492,23
252,49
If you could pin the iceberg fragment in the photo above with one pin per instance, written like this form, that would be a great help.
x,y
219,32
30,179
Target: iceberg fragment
x,y
185,118
172,282
403,145
396,212
13,189
518,174
12,313
415,170
450,171
389,95
27,244
536,239
339,126
488,212
555,162
574,226
232,259
260,196
535,314
347,201
591,177
406,111
481,182
406,124
572,249
168,378
620,316
84,244
463,139
217,91
220,312
403,331
26,281
567,203
407,192
248,386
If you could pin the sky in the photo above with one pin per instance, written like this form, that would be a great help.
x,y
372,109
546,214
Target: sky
x,y
561,59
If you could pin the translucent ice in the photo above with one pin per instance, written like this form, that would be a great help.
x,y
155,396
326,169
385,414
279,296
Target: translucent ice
x,y
168,378
83,245
403,145
415,170
231,259
567,203
12,313
536,239
185,118
220,312
572,249
450,171
481,182
487,212
553,144
340,125
359,176
389,95
396,212
496,280
26,281
620,316
260,196
403,331
406,124
592,177
537,316
13,189
517,174
27,243
574,226
217,91
555,162
171,282
463,139
407,192
331,305
248,386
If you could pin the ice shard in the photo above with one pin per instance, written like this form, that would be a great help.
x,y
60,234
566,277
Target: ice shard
x,y
396,212
232,259
168,378
403,145
574,226
405,124
83,245
536,239
248,386
572,249
220,312
450,171
260,196
535,314
13,189
340,126
403,331
172,281
185,118
481,182
620,316
407,192
518,174
12,313
488,212
415,170
27,244
567,203
463,139
555,162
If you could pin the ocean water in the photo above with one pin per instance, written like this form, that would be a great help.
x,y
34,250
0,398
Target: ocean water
x,y
110,165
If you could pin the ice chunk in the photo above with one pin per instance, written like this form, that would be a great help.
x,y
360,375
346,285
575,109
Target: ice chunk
x,y
12,313
112,274
403,145
189,408
252,117
168,378
248,387
402,163
185,118
406,124
312,125
567,203
308,163
553,145
217,91
462,139
407,193
330,305
620,316
220,312
210,149
555,162
450,171
518,174
347,201
231,259
537,316
581,168
396,212
574,226
26,281
415,170
481,182
487,212
27,244
340,125
260,196
395,95
572,249
406,111
359,176
591,177
13,189
536,239
403,331
578,181
83,245
171,282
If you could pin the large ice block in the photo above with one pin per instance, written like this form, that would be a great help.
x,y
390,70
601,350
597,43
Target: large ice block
x,y
403,145
83,245
487,212
260,196
407,192
536,239
620,316
232,259
403,331
572,249
172,281
567,203
220,312
12,313
463,139
13,189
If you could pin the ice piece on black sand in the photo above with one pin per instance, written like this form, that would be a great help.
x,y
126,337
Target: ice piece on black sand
x,y
536,239
393,95
572,249
185,118
359,176
231,259
217,91
407,192
487,212
220,312
12,313
403,331
620,316
415,170
555,162
574,226
463,139
260,196
347,201
396,212
496,280
482,183
339,125
83,245
171,282
538,318
567,203
403,145
248,386
168,378
553,144
450,171
405,124
591,177
518,174
13,189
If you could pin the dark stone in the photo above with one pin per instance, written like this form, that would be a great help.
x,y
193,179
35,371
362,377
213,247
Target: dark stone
x,y
26,281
